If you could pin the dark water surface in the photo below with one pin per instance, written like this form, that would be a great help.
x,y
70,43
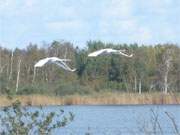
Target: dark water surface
x,y
117,120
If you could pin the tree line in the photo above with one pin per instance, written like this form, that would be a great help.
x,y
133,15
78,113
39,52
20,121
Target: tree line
x,y
152,68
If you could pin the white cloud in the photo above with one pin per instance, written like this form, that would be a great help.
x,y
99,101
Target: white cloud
x,y
116,17
29,3
61,25
142,36
139,21
6,5
118,21
12,7
133,21
156,6
75,28
117,9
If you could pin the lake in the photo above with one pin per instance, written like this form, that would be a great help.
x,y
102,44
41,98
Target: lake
x,y
118,119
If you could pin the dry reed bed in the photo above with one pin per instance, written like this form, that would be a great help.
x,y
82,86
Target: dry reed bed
x,y
96,99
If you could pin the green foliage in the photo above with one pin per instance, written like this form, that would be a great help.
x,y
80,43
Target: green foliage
x,y
18,120
29,89
114,71
81,62
71,88
145,70
116,86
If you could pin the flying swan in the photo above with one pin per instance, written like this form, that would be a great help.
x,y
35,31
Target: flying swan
x,y
108,51
54,60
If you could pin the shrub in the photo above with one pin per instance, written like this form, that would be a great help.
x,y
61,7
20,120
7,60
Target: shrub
x,y
18,120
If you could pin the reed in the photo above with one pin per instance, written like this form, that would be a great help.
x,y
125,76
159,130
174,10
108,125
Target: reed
x,y
94,99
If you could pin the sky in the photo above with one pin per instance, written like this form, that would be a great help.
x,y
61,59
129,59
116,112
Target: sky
x,y
78,21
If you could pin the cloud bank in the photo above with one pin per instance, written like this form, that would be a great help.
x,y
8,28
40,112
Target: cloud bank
x,y
118,21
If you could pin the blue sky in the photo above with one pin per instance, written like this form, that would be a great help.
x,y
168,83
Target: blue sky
x,y
118,21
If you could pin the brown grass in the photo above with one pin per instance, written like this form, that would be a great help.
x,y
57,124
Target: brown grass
x,y
96,99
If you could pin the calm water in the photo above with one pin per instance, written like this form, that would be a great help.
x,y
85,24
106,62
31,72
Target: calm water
x,y
117,120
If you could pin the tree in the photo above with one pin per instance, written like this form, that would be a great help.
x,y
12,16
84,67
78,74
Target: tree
x,y
166,67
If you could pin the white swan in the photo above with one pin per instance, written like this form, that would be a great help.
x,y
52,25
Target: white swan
x,y
54,60
109,51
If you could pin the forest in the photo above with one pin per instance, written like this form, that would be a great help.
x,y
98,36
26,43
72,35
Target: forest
x,y
153,68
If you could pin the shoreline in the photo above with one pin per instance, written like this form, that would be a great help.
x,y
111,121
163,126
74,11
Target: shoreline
x,y
95,99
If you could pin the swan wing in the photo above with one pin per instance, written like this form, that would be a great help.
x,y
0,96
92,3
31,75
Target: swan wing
x,y
109,51
42,62
58,59
124,54
64,66
97,53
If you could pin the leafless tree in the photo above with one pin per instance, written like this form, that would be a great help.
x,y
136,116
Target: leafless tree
x,y
166,67
11,65
18,73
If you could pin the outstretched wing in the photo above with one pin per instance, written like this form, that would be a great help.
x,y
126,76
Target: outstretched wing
x,y
64,66
108,51
124,54
97,53
58,59
42,62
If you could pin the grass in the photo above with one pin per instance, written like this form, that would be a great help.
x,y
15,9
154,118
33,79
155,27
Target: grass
x,y
95,99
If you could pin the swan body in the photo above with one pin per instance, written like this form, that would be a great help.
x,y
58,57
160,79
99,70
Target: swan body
x,y
108,51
